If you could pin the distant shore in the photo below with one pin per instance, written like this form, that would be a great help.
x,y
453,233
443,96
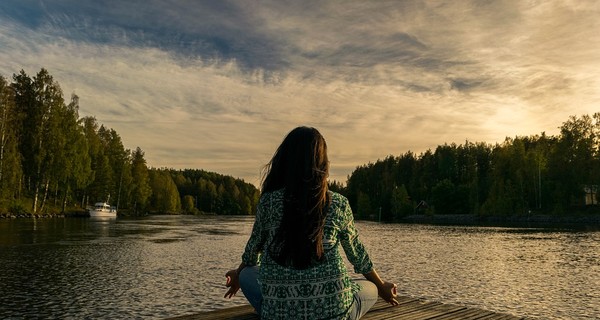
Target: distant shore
x,y
521,220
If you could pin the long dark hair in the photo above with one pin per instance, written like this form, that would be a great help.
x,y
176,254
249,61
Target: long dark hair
x,y
300,167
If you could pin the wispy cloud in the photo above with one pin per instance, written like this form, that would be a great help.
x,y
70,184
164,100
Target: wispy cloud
x,y
217,84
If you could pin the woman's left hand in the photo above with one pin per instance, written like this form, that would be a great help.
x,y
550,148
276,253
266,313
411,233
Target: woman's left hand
x,y
388,292
233,283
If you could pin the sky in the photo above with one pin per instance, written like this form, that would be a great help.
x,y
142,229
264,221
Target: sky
x,y
216,85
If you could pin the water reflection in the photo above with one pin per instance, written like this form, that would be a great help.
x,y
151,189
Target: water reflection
x,y
161,266
523,271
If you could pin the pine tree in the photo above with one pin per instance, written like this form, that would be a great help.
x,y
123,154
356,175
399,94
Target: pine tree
x,y
141,190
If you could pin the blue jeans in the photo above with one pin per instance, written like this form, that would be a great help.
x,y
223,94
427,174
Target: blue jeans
x,y
364,299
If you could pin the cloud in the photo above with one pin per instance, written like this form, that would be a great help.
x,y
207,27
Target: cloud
x,y
217,85
211,30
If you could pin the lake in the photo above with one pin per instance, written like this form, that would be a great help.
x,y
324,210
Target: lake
x,y
163,266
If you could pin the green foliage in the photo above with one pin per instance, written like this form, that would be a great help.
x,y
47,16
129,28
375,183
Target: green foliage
x,y
17,208
188,205
401,205
336,186
538,173
215,193
51,160
363,206
165,197
10,162
141,190
450,199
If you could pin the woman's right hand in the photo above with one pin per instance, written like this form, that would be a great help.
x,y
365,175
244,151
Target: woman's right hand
x,y
233,283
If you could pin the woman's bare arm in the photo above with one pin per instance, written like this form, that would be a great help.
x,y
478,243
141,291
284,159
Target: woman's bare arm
x,y
386,290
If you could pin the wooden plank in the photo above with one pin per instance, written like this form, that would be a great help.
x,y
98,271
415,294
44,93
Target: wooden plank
x,y
437,310
464,314
405,310
245,312
408,309
381,307
499,316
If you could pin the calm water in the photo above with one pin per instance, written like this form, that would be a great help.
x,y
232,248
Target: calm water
x,y
164,266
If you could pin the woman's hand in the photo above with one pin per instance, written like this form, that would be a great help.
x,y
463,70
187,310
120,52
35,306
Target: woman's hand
x,y
387,291
233,283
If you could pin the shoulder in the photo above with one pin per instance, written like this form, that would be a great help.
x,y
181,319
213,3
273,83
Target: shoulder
x,y
339,202
340,213
271,194
270,198
337,198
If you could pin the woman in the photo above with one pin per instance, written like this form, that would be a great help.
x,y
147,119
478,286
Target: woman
x,y
291,267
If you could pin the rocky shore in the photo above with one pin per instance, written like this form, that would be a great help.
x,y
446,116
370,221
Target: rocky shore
x,y
45,215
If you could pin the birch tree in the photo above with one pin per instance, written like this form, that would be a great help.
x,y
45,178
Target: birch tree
x,y
75,163
48,138
10,166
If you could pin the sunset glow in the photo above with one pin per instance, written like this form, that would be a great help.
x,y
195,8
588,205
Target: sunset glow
x,y
216,85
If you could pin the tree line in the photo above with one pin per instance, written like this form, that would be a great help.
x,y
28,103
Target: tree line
x,y
53,161
523,175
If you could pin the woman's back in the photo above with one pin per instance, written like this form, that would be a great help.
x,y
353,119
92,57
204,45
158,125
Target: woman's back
x,y
322,291
297,233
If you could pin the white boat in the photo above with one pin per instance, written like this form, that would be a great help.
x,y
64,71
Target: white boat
x,y
103,209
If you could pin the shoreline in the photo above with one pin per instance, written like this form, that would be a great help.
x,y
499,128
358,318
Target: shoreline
x,y
70,214
533,220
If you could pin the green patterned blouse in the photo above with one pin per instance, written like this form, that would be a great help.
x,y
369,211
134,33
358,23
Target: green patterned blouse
x,y
324,291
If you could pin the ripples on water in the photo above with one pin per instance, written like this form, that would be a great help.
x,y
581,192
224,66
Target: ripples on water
x,y
539,273
163,266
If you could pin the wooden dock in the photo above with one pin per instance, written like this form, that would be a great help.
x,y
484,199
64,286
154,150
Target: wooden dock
x,y
408,309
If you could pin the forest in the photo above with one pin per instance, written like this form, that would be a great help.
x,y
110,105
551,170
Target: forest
x,y
538,174
53,162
